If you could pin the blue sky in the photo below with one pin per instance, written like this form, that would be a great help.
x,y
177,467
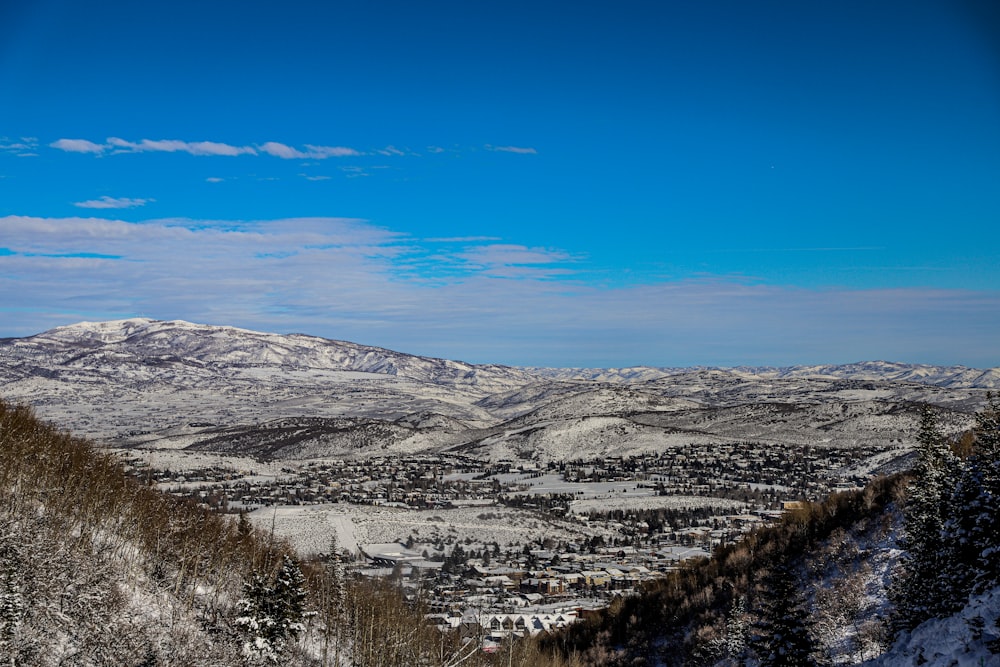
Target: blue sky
x,y
596,184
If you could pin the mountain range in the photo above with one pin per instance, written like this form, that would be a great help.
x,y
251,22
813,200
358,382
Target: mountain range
x,y
156,384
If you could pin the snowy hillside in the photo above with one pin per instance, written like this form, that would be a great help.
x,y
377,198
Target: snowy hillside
x,y
144,342
141,382
941,376
961,639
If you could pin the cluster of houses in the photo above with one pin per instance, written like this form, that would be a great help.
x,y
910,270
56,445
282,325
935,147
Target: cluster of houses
x,y
491,628
524,590
492,601
751,472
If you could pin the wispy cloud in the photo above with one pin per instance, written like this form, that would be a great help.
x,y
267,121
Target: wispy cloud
x,y
286,152
177,146
282,151
516,261
352,280
354,171
521,150
323,152
113,202
392,151
23,147
114,145
464,239
117,145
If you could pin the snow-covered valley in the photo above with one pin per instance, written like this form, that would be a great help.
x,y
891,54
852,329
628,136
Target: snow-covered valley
x,y
548,472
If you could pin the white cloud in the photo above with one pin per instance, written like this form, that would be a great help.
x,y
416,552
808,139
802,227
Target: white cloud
x,y
113,202
513,149
214,179
349,279
202,148
322,152
177,146
24,147
118,145
272,148
516,261
78,146
282,151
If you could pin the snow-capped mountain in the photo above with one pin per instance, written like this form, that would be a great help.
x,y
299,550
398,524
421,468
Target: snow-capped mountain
x,y
150,343
141,382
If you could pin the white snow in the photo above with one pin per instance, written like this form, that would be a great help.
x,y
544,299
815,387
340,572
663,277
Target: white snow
x,y
947,642
309,527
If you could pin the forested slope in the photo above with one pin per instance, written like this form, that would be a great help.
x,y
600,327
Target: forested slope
x,y
98,569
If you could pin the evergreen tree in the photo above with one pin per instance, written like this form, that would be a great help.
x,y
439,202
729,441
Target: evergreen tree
x,y
737,631
257,620
918,594
728,650
781,636
987,458
272,612
290,598
971,531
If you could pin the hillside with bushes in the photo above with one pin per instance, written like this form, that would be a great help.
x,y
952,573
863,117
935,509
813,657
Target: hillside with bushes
x,y
98,569
904,571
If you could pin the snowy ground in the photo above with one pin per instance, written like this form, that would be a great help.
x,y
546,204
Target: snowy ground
x,y
553,483
649,502
309,527
943,642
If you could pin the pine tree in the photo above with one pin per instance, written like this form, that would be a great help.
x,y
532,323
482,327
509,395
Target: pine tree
x,y
918,594
971,531
257,620
782,635
290,597
737,631
271,613
728,649
987,458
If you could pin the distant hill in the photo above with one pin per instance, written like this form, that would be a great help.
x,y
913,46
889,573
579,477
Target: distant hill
x,y
141,382
881,371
